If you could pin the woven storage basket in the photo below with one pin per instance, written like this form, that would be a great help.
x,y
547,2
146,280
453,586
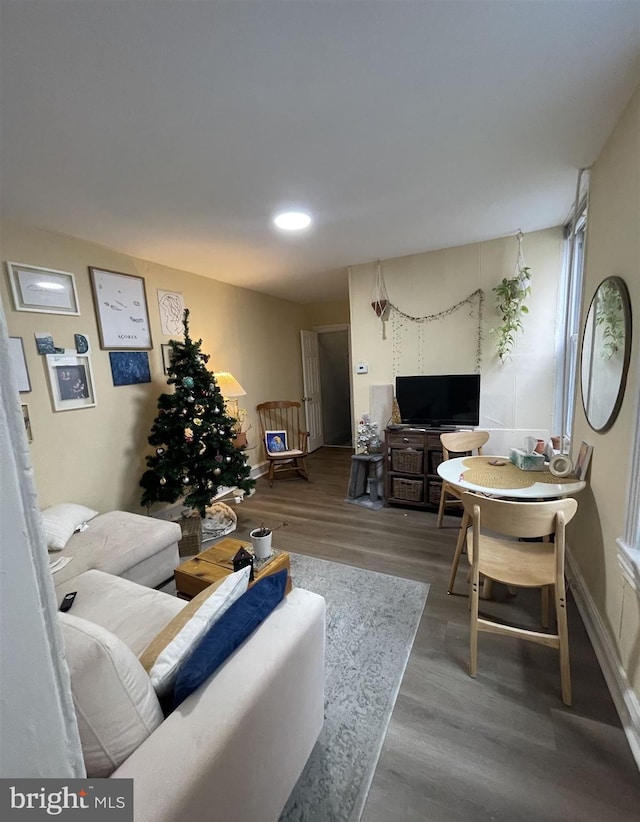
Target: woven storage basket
x,y
408,489
407,460
435,489
191,541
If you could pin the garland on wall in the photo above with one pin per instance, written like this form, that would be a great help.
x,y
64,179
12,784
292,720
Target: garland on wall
x,y
400,322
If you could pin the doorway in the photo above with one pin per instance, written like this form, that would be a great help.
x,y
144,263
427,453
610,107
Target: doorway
x,y
335,369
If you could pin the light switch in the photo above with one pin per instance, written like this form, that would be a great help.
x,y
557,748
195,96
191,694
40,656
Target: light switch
x,y
362,368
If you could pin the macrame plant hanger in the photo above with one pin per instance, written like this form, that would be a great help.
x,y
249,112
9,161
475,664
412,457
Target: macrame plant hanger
x,y
380,301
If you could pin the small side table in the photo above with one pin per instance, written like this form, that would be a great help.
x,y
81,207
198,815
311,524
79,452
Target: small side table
x,y
365,482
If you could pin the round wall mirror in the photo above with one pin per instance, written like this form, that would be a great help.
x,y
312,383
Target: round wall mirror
x,y
606,348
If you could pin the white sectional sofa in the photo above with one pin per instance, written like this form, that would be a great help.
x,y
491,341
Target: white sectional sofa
x,y
234,749
142,549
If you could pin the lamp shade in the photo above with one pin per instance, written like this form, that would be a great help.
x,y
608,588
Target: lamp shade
x,y
229,385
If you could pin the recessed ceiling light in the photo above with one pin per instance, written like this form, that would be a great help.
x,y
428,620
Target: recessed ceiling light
x,y
292,220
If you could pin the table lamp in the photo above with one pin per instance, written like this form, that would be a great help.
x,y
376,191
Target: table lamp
x,y
230,388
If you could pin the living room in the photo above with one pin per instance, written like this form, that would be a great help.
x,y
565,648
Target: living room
x,y
95,456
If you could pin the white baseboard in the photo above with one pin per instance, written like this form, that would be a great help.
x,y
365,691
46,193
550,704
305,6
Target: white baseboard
x,y
623,695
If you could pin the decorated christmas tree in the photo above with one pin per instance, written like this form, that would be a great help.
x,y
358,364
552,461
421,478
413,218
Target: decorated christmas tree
x,y
192,434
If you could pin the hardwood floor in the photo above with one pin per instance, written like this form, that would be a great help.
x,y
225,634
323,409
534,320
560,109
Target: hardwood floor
x,y
501,747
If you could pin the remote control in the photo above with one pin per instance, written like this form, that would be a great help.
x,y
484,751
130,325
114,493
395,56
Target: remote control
x,y
67,602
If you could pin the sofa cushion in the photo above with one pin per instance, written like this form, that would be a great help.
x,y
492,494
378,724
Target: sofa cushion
x,y
134,613
168,651
115,705
62,520
230,631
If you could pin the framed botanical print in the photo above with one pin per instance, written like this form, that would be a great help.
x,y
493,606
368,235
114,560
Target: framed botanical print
x,y
42,290
121,307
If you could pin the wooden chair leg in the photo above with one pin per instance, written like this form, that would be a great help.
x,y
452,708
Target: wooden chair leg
x,y
462,535
473,625
443,494
563,634
272,470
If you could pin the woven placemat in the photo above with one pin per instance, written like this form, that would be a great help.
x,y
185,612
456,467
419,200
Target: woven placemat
x,y
480,472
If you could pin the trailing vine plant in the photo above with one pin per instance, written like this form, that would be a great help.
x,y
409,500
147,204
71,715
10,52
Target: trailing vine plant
x,y
511,294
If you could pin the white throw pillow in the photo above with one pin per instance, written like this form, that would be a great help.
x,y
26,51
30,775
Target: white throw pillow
x,y
116,706
171,648
62,520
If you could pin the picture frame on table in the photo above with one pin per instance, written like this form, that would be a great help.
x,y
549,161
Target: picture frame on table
x,y
42,290
121,307
19,364
70,381
582,460
275,441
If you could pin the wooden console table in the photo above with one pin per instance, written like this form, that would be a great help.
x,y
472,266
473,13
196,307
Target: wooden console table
x,y
412,456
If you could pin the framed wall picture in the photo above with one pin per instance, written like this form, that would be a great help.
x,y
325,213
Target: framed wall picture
x,y
70,381
27,422
43,290
167,352
171,308
19,363
121,307
129,367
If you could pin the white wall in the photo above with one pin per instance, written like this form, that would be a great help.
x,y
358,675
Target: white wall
x,y
516,397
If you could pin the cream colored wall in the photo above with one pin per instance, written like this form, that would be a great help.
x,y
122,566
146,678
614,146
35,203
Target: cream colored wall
x,y
95,456
613,248
517,397
329,313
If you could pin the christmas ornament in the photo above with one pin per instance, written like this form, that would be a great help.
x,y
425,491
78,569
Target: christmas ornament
x,y
227,459
191,398
188,434
217,471
163,480
197,421
216,410
187,382
199,409
202,450
159,451
209,485
218,457
186,480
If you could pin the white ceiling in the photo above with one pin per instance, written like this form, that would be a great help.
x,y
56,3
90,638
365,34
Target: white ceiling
x,y
173,130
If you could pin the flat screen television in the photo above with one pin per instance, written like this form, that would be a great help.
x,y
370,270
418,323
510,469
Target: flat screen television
x,y
439,401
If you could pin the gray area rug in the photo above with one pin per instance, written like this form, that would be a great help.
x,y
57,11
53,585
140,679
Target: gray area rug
x,y
372,621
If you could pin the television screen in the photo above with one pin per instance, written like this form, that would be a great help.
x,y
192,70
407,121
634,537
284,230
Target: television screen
x,y
439,400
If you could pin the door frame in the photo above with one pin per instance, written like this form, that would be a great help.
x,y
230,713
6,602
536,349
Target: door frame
x,y
323,329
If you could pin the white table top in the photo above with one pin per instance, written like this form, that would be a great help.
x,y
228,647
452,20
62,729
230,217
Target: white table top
x,y
452,469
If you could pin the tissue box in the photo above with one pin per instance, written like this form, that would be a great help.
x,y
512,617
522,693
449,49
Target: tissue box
x,y
527,462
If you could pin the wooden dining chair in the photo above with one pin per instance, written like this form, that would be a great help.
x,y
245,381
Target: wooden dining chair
x,y
502,556
285,443
457,443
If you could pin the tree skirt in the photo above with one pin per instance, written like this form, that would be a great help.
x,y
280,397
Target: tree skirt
x,y
372,621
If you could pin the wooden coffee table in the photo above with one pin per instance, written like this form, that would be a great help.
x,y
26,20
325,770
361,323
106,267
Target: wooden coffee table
x,y
214,563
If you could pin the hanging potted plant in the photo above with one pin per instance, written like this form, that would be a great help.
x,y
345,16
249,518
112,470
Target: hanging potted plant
x,y
511,294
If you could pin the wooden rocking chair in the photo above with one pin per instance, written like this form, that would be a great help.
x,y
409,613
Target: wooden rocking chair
x,y
284,442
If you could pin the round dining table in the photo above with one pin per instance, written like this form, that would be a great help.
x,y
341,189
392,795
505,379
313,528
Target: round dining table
x,y
505,479
498,477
